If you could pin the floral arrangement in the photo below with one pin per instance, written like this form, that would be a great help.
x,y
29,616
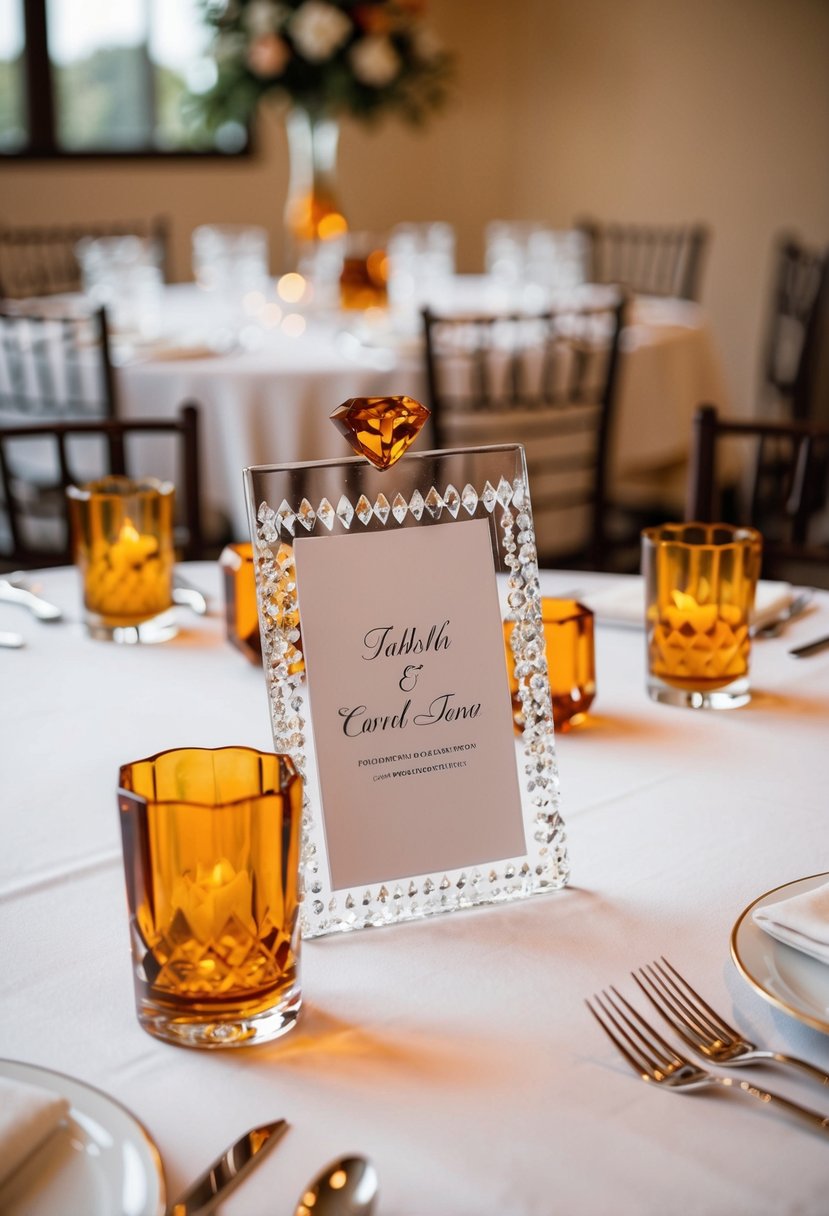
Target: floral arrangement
x,y
332,57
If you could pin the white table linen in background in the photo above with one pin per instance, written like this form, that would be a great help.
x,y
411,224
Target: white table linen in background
x,y
456,1052
272,405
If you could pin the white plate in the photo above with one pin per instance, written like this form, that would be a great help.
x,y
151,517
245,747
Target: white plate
x,y
102,1163
788,978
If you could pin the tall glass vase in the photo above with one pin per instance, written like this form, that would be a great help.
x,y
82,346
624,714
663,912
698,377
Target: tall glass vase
x,y
313,218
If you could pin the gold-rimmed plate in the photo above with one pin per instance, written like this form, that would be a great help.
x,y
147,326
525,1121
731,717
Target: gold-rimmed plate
x,y
788,978
101,1161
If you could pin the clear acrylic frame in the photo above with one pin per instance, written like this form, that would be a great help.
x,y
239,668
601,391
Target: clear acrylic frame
x,y
431,489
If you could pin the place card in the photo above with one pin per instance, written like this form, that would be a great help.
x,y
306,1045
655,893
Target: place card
x,y
409,702
382,596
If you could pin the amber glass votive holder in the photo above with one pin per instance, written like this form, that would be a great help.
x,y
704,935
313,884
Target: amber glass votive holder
x,y
211,858
364,275
241,612
571,663
700,581
122,537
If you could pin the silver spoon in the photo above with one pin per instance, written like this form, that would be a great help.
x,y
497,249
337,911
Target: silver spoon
x,y
346,1187
14,592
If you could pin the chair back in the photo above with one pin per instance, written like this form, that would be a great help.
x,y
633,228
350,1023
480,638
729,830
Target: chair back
x,y
41,261
30,537
54,366
783,489
796,334
546,381
651,259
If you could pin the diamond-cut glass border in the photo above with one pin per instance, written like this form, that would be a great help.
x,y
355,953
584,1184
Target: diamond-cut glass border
x,y
433,488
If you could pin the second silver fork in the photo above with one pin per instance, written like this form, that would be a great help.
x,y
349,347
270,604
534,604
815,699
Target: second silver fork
x,y
702,1028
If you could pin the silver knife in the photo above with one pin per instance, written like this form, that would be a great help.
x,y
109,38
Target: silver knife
x,y
13,593
802,652
227,1171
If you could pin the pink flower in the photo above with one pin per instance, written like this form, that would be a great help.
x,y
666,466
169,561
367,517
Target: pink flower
x,y
268,55
374,61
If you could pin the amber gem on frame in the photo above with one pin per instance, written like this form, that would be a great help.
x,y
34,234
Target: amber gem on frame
x,y
380,428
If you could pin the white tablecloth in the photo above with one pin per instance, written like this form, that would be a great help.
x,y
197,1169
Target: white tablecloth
x,y
272,405
458,1052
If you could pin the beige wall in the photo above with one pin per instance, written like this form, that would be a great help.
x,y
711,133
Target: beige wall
x,y
661,110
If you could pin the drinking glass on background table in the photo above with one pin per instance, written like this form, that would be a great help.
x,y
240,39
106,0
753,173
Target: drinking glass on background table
x,y
421,264
211,858
230,264
571,663
364,274
122,536
241,611
700,581
533,261
123,274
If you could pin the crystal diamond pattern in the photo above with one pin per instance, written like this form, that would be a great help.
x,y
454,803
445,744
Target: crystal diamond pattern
x,y
452,501
364,509
345,511
325,513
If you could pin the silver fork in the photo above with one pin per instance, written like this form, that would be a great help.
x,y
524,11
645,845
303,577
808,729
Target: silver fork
x,y
655,1060
704,1030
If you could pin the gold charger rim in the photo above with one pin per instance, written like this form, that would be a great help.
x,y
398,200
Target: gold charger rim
x,y
757,984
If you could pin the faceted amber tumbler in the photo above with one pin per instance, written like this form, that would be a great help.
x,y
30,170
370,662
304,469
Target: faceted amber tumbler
x,y
211,858
122,536
700,581
241,612
571,663
364,275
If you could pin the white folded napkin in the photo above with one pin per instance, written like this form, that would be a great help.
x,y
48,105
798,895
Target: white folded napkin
x,y
801,921
28,1115
625,604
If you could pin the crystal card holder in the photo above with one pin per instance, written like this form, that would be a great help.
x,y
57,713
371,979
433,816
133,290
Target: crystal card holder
x,y
429,489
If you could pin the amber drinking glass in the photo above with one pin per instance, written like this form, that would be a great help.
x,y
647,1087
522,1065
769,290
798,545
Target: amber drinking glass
x,y
700,581
241,612
364,275
122,536
211,856
571,663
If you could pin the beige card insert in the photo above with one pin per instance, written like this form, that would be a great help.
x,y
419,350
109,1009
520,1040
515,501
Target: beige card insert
x,y
409,702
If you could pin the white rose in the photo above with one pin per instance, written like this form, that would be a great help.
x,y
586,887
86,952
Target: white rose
x,y
318,30
268,55
375,61
262,17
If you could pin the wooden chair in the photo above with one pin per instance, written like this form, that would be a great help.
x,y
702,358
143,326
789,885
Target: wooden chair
x,y
797,332
785,492
54,365
647,258
41,261
31,540
53,368
546,381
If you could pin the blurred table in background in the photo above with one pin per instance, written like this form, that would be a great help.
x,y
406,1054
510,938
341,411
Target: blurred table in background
x,y
266,390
